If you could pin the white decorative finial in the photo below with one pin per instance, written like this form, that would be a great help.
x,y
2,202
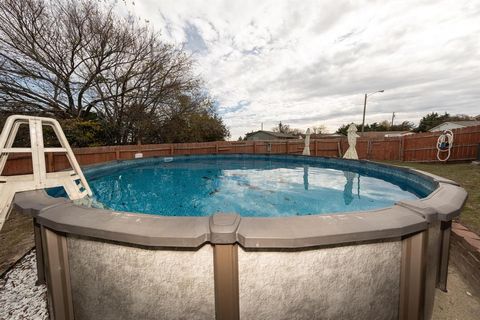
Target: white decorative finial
x,y
306,150
352,142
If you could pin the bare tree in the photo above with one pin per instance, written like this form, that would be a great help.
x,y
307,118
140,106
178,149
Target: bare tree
x,y
319,129
147,88
285,128
51,53
73,59
79,60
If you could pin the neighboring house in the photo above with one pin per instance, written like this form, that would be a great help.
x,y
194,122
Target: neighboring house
x,y
383,134
325,135
450,125
269,135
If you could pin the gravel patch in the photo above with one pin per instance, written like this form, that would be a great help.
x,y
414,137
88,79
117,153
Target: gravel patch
x,y
20,298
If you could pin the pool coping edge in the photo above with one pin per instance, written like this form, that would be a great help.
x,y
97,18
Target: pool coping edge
x,y
404,218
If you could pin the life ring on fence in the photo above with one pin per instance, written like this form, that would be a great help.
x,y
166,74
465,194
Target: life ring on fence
x,y
444,144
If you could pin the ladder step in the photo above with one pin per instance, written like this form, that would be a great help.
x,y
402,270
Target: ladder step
x,y
16,150
19,178
55,150
60,174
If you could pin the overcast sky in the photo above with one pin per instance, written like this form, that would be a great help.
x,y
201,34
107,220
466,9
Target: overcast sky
x,y
308,63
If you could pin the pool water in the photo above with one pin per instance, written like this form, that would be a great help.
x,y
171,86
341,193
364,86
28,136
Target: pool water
x,y
250,187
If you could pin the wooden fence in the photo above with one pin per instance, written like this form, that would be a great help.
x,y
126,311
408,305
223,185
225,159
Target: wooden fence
x,y
414,148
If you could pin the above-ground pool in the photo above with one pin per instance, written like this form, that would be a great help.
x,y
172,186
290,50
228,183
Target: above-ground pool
x,y
250,186
245,237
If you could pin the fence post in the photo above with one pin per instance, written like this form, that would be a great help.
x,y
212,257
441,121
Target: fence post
x,y
402,150
117,154
50,162
254,147
369,146
286,146
216,147
171,149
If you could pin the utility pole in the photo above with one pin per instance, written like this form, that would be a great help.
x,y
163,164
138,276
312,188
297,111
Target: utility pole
x,y
364,110
365,106
262,126
393,117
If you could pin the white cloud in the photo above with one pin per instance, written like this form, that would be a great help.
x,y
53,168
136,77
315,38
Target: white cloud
x,y
309,62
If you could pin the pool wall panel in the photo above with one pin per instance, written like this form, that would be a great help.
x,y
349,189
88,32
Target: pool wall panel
x,y
113,281
359,281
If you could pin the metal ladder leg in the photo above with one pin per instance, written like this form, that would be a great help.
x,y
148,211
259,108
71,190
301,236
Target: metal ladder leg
x,y
6,198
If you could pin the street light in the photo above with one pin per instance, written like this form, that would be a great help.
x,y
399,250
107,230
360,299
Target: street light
x,y
365,106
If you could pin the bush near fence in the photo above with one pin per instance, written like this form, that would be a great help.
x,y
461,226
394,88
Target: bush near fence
x,y
419,147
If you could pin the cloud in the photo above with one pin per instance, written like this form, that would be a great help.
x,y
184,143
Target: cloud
x,y
310,62
241,105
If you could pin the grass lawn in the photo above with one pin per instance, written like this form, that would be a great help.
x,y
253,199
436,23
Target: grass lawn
x,y
468,176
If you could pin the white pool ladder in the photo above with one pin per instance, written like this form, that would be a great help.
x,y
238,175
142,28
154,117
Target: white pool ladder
x,y
40,178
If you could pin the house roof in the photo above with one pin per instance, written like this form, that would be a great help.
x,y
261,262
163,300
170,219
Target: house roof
x,y
466,123
381,134
325,135
463,123
275,134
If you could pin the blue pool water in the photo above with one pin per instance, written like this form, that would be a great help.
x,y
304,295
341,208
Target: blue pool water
x,y
250,186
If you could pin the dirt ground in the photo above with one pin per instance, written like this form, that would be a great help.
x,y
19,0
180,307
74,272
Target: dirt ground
x,y
16,239
459,302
